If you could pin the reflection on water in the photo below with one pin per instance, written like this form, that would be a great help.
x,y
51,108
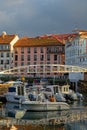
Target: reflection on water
x,y
17,116
19,112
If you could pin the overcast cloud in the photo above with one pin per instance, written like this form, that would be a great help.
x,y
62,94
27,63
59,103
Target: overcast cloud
x,y
39,17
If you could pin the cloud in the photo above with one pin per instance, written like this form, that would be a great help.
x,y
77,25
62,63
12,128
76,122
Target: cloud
x,y
12,2
35,17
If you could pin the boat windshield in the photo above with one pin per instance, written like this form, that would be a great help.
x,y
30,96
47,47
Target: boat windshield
x,y
56,89
11,89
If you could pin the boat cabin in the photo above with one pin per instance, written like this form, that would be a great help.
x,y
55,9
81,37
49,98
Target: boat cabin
x,y
51,90
18,90
64,89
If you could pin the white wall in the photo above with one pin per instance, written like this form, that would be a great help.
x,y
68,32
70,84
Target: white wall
x,y
76,76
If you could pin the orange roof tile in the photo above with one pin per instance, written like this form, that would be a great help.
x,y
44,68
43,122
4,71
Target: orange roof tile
x,y
37,41
6,39
45,40
64,37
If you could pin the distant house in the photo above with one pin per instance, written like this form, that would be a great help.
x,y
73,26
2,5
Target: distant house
x,y
6,50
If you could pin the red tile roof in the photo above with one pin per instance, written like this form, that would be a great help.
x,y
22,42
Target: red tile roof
x,y
37,41
62,38
6,39
45,40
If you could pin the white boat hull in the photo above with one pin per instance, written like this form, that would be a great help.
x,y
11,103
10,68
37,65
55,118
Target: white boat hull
x,y
16,111
45,106
37,105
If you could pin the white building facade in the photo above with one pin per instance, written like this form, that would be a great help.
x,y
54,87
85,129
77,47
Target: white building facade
x,y
76,53
6,50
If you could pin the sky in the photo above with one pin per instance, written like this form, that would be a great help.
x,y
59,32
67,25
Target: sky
x,y
39,17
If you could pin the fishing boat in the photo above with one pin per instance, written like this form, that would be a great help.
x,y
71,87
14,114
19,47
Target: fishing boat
x,y
22,94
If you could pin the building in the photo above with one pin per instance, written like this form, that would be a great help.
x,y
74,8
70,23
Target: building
x,y
41,50
76,53
6,50
69,49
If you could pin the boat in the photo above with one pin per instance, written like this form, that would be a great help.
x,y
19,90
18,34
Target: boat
x,y
19,112
54,90
79,96
45,106
70,94
73,96
16,93
21,94
62,93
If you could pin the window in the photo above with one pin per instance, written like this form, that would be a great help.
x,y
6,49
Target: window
x,y
2,62
41,49
11,89
35,57
7,47
48,89
28,57
64,89
28,49
41,63
8,55
28,63
7,62
48,57
56,90
16,57
42,57
20,90
1,47
55,57
22,50
35,50
48,62
22,57
2,55
35,63
22,63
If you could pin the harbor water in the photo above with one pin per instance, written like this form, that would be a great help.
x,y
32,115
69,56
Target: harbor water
x,y
14,117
